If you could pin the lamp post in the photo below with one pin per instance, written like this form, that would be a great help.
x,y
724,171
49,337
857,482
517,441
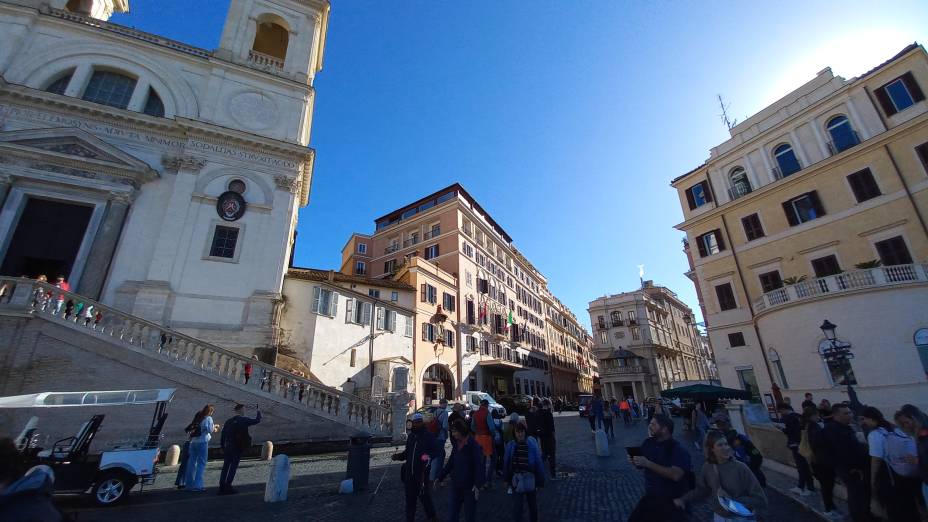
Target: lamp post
x,y
839,351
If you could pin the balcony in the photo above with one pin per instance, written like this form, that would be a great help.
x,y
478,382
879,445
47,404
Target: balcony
x,y
738,191
880,277
265,61
839,146
392,248
435,232
410,242
623,370
602,326
616,324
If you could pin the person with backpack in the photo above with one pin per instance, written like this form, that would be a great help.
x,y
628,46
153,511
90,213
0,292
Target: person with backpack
x,y
547,438
914,422
420,448
810,447
838,444
668,473
192,430
199,445
792,427
892,480
743,448
439,428
524,472
722,475
235,440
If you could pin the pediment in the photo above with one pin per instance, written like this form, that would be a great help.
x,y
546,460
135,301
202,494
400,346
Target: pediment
x,y
74,147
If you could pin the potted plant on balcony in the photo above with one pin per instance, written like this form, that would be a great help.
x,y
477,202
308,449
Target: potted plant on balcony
x,y
873,263
793,280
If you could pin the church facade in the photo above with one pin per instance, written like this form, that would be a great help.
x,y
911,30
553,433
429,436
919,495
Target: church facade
x,y
154,176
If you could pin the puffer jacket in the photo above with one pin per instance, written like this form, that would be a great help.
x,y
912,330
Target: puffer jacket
x,y
29,499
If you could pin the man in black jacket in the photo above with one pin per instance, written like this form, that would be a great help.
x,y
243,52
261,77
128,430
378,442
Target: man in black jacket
x,y
234,440
839,446
546,433
420,447
793,430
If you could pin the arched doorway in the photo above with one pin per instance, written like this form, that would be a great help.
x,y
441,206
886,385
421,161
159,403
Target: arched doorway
x,y
437,383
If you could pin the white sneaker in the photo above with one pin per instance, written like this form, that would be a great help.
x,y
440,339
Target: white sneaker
x,y
796,491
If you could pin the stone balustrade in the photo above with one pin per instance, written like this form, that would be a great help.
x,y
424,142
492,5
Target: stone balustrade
x,y
265,60
27,296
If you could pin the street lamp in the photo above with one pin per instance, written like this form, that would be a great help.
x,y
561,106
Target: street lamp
x,y
839,352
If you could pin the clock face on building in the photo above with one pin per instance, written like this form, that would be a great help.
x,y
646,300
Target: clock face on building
x,y
231,206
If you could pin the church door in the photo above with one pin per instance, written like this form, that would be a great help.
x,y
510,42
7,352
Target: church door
x,y
47,239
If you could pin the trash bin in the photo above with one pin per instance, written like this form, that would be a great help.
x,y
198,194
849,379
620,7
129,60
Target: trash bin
x,y
359,459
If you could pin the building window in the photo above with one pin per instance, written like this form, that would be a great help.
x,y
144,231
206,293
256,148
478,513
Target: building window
x,y
603,337
698,195
153,104
409,325
389,266
922,152
360,268
786,160
840,371
749,383
770,281
449,338
428,332
394,296
357,312
468,250
636,334
362,248
726,296
632,317
899,94
893,251
428,293
109,88
863,185
842,134
373,293
60,85
224,241
710,243
325,302
752,227
803,208
736,339
616,318
826,266
448,301
431,252
740,184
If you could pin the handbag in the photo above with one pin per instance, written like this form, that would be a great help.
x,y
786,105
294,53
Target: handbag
x,y
523,482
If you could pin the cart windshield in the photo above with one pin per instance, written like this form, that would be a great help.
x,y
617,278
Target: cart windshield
x,y
90,398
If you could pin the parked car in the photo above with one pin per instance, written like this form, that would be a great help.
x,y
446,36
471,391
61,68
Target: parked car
x,y
583,404
109,475
473,398
516,403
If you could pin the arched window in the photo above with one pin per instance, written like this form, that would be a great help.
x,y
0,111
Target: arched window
x,y
110,88
842,134
271,39
786,160
61,84
740,184
153,104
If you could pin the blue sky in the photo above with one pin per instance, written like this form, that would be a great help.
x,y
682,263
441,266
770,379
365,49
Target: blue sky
x,y
566,120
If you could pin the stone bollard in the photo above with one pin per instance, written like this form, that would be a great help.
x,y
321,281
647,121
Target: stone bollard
x,y
267,450
278,480
172,456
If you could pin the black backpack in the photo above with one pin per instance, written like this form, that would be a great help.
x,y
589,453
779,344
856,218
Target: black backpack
x,y
194,429
689,478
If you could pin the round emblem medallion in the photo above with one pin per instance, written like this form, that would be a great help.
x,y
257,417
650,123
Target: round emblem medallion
x,y
231,206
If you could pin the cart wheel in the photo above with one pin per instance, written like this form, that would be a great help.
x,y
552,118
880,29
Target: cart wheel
x,y
112,487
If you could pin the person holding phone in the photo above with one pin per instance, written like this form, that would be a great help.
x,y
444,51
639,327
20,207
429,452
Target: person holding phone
x,y
235,440
465,466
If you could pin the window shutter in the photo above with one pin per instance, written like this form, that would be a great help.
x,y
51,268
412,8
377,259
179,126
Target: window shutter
x,y
707,190
425,331
452,301
718,239
317,295
449,338
366,313
817,204
689,198
856,186
912,86
885,102
790,214
334,305
392,326
701,246
470,312
349,309
380,318
422,293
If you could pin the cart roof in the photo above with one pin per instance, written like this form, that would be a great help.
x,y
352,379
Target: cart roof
x,y
87,398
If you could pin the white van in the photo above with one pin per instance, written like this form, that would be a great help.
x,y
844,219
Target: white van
x,y
473,399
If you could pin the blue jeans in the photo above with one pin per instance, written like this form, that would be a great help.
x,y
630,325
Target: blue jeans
x,y
196,465
181,479
518,500
438,462
456,498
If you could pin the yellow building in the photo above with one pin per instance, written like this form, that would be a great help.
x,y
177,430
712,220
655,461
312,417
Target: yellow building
x,y
815,209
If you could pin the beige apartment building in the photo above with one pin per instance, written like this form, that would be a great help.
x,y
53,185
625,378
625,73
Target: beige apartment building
x,y
568,350
815,210
645,342
497,316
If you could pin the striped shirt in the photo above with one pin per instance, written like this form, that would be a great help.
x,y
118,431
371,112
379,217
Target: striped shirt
x,y
520,458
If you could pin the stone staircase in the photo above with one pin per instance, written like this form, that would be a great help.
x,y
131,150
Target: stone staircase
x,y
97,336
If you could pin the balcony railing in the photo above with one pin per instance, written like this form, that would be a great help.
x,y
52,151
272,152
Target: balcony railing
x,y
264,60
840,283
617,323
624,370
841,147
738,191
602,326
435,232
410,242
391,248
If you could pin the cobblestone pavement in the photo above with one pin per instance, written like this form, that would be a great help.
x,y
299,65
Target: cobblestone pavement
x,y
589,489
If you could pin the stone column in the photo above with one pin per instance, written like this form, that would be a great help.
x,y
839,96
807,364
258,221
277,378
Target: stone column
x,y
104,246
